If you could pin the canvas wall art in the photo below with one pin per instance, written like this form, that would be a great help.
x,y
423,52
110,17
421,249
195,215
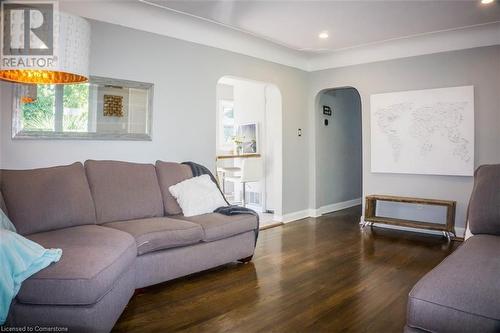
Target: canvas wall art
x,y
423,131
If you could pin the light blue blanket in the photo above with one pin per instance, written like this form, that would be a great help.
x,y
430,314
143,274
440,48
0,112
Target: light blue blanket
x,y
19,259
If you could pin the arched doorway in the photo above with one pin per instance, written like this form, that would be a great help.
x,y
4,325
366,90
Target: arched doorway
x,y
338,149
249,128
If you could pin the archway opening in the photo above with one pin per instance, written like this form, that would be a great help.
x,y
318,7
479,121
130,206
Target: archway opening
x,y
249,145
339,161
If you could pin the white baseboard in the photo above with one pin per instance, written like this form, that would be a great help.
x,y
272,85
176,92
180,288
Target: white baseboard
x,y
295,216
287,218
335,207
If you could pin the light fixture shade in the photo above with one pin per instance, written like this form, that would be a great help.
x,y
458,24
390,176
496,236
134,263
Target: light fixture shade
x,y
69,62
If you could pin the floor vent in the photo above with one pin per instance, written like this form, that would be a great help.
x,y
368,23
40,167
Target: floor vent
x,y
253,198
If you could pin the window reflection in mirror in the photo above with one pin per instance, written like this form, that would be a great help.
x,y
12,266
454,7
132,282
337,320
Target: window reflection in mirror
x,y
101,109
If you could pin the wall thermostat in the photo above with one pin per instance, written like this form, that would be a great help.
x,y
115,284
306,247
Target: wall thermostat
x,y
327,111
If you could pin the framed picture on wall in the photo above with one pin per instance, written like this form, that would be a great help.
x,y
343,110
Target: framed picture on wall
x,y
249,134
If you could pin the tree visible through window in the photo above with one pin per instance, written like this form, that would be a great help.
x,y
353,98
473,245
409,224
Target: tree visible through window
x,y
76,107
38,112
60,108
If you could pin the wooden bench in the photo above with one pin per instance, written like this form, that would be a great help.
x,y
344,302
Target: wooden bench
x,y
447,228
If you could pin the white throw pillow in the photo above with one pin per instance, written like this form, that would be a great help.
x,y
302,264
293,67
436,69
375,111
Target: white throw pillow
x,y
197,195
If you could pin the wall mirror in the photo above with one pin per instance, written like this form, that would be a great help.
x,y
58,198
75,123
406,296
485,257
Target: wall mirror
x,y
101,109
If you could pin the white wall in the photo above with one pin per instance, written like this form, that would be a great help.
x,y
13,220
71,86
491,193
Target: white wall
x,y
250,105
274,149
479,67
224,92
339,157
185,76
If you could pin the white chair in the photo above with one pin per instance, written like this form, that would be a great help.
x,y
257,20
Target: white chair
x,y
224,171
252,170
225,167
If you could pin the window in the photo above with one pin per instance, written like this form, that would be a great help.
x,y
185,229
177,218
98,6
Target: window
x,y
227,124
55,108
101,109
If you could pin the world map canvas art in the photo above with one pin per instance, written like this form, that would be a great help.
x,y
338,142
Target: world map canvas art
x,y
423,131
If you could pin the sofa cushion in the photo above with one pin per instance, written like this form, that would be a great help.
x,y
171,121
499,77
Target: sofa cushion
x,y
484,208
217,226
460,294
169,174
93,259
159,233
124,191
46,199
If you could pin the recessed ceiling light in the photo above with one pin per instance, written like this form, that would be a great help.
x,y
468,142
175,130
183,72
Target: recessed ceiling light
x,y
485,2
323,35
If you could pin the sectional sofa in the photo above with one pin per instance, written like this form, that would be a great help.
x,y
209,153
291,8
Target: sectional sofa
x,y
462,294
119,229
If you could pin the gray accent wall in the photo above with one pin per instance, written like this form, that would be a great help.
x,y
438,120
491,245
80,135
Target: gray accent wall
x,y
338,149
185,76
479,67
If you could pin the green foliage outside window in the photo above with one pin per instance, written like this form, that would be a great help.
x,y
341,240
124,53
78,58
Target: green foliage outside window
x,y
76,96
40,113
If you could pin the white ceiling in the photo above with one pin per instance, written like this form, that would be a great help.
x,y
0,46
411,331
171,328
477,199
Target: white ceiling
x,y
360,31
296,24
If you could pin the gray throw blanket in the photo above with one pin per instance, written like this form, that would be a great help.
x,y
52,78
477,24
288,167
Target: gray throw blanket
x,y
198,170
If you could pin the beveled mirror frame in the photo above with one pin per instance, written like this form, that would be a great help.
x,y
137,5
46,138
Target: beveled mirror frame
x,y
19,134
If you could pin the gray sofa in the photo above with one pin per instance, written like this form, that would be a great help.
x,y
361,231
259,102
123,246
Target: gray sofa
x,y
119,229
462,294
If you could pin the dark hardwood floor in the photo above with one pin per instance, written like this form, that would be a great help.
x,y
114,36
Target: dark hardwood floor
x,y
314,275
